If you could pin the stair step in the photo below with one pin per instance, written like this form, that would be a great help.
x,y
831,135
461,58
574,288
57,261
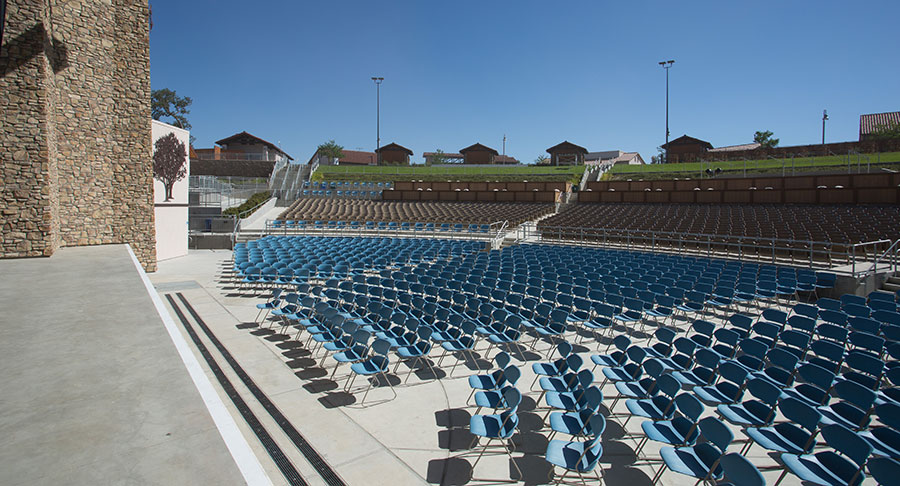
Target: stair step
x,y
891,287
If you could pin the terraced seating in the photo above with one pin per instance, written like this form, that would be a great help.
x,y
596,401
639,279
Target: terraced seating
x,y
329,209
826,223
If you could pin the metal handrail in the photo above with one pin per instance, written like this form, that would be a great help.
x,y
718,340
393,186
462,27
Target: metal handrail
x,y
824,254
275,226
497,240
892,253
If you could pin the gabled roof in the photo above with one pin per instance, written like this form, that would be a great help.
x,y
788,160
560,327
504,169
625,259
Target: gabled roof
x,y
248,139
478,148
686,140
393,146
735,148
567,147
868,124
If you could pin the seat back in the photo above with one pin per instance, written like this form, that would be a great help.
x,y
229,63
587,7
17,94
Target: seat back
x,y
716,432
740,471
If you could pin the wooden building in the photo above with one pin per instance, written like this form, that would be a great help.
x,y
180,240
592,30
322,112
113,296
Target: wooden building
x,y
686,149
478,154
567,153
393,154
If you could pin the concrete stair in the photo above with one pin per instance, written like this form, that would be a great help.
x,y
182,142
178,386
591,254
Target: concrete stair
x,y
892,284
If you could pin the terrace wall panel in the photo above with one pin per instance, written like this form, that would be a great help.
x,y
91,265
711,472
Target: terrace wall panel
x,y
545,196
800,196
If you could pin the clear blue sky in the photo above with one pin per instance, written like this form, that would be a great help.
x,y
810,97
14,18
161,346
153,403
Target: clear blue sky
x,y
462,72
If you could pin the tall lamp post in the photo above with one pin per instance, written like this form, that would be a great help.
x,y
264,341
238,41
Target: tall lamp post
x,y
378,82
666,65
824,117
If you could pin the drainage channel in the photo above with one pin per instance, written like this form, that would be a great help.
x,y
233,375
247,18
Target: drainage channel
x,y
331,478
284,464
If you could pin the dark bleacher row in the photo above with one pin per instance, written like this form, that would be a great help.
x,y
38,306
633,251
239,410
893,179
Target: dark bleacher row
x,y
324,209
829,223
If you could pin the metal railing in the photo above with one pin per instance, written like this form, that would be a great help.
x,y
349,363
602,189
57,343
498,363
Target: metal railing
x,y
890,257
359,228
497,241
854,259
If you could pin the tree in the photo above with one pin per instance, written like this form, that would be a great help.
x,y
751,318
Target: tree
x,y
542,160
765,140
168,162
331,150
886,132
438,158
660,157
165,103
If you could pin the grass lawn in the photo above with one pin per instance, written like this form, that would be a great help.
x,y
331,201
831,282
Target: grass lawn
x,y
737,167
448,173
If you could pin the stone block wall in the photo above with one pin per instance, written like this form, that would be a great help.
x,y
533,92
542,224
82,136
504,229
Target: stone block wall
x,y
75,145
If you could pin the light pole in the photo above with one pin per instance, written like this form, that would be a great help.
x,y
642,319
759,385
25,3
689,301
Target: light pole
x,y
824,117
378,82
666,65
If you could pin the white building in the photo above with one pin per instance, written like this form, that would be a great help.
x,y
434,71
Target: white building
x,y
172,215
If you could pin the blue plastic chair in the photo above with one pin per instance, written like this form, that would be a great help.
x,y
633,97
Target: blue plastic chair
x,y
375,365
499,427
681,430
577,422
578,457
885,440
797,435
699,461
884,470
758,412
842,467
739,471
494,398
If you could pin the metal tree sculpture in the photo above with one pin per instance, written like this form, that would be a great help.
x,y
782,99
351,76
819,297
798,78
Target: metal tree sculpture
x,y
168,162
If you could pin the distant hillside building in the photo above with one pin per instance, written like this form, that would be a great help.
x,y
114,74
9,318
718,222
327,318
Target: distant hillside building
x,y
685,149
431,158
613,157
393,154
567,153
478,154
869,124
505,159
351,157
244,146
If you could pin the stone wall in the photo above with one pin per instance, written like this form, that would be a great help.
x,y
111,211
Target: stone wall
x,y
75,145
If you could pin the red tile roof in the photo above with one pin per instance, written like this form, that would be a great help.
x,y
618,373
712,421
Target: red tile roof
x,y
868,124
246,138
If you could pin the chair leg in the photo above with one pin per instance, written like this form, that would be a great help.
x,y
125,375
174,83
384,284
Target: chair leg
x,y
659,473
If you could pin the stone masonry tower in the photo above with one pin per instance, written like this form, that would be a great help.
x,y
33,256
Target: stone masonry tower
x,y
75,143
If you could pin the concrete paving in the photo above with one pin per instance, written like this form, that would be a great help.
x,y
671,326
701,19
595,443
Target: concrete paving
x,y
419,436
93,390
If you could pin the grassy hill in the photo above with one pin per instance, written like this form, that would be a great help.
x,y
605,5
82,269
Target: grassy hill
x,y
448,173
736,168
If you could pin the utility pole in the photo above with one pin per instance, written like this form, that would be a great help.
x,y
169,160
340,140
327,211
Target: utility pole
x,y
378,82
666,65
824,117
504,144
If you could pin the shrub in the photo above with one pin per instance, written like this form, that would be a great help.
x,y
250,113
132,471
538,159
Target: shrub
x,y
255,200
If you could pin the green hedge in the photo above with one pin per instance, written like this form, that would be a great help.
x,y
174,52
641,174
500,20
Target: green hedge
x,y
255,200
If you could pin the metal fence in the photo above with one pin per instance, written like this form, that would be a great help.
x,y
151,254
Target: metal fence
x,y
492,232
849,258
223,191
